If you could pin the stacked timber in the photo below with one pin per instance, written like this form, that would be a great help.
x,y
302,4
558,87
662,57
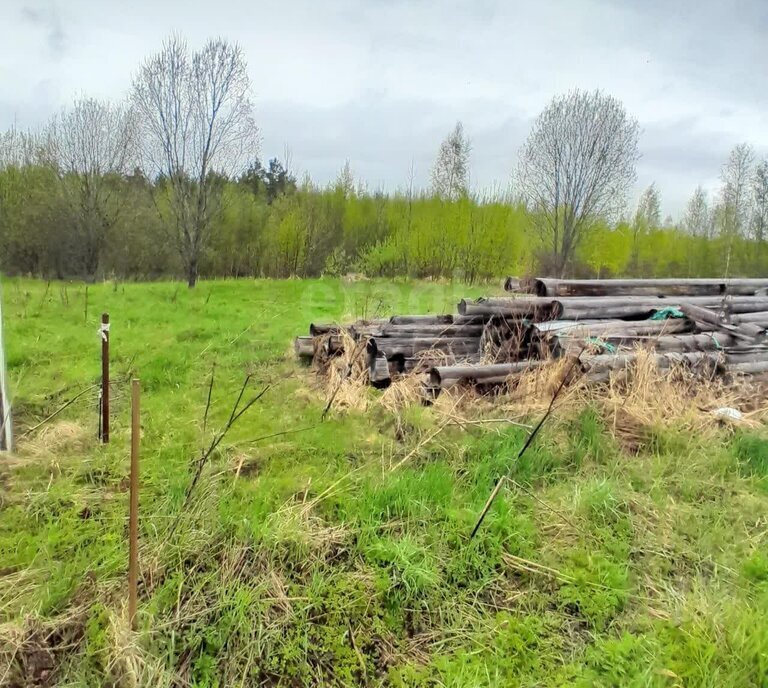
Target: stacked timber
x,y
717,326
403,343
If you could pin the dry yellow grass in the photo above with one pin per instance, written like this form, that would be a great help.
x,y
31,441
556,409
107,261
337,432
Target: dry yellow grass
x,y
405,391
345,376
631,401
638,398
61,437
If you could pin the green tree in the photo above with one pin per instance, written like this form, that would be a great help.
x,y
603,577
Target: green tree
x,y
450,172
576,167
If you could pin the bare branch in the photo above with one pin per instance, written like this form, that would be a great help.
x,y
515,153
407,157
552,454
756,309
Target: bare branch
x,y
89,144
196,121
576,166
737,178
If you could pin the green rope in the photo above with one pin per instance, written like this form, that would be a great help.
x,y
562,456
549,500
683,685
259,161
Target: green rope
x,y
668,312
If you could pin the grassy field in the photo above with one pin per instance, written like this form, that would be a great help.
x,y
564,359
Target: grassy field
x,y
303,559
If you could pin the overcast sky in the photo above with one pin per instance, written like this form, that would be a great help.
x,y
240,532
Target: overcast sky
x,y
381,82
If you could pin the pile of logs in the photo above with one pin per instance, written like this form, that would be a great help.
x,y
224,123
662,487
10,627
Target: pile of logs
x,y
401,344
715,325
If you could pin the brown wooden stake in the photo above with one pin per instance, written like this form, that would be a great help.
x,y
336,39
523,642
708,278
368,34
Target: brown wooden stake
x,y
133,543
105,378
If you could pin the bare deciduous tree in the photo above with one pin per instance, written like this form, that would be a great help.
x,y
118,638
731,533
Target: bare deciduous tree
x,y
649,207
450,173
697,220
760,202
88,144
196,118
647,216
19,148
736,176
577,165
345,180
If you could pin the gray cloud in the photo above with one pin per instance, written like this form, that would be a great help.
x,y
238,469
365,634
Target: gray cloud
x,y
380,83
45,16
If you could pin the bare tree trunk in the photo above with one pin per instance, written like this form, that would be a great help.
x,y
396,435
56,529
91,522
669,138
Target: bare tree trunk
x,y
192,272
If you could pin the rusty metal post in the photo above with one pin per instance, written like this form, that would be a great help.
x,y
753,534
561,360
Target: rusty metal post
x,y
133,542
104,378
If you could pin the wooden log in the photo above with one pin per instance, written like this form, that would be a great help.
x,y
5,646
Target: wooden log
x,y
332,344
407,331
683,343
378,371
746,355
753,330
746,331
366,328
575,308
359,326
524,302
610,362
600,368
444,319
680,343
318,329
744,304
392,347
508,342
748,367
615,328
554,326
424,362
639,311
446,376
597,308
523,308
512,284
702,315
304,347
470,319
759,318
644,287
359,331
579,307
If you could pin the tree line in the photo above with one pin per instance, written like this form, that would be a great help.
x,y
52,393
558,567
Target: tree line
x,y
170,183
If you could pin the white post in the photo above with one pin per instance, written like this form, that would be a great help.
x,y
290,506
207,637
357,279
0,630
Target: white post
x,y
6,435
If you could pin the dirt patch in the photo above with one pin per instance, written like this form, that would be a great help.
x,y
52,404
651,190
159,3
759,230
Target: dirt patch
x,y
30,655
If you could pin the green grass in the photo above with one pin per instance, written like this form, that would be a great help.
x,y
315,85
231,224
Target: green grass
x,y
319,566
